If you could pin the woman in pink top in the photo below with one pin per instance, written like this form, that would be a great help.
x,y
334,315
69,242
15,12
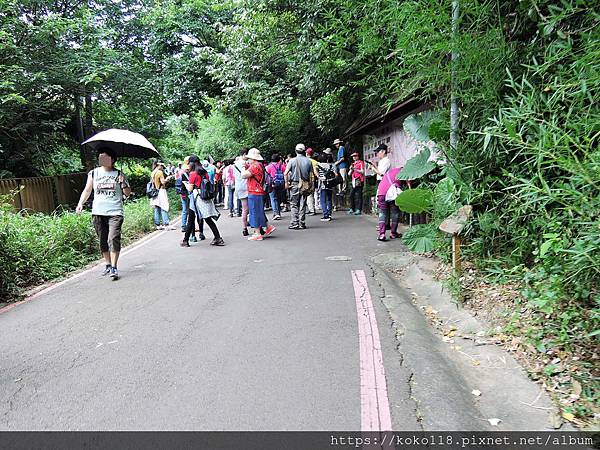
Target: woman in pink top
x,y
387,208
357,174
276,169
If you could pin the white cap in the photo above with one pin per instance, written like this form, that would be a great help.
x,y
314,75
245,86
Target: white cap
x,y
300,148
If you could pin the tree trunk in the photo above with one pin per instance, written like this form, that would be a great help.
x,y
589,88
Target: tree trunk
x,y
79,128
89,160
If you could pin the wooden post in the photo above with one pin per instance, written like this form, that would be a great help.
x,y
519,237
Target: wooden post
x,y
456,253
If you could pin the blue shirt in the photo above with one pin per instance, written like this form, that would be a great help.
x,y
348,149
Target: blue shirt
x,y
340,155
211,170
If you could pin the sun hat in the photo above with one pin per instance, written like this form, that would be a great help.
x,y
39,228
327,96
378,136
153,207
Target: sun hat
x,y
327,151
338,141
382,147
300,148
254,154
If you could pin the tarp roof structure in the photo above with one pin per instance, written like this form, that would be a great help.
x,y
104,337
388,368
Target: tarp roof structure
x,y
379,116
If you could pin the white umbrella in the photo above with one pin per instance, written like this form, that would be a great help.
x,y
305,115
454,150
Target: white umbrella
x,y
123,143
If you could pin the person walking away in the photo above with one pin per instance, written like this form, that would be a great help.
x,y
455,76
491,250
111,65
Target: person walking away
x,y
182,177
160,203
310,201
342,165
357,175
299,175
229,180
219,183
201,208
241,189
109,186
254,174
288,196
327,175
276,169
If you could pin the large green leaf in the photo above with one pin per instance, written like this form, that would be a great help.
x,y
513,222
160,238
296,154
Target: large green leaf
x,y
415,201
417,166
420,238
418,125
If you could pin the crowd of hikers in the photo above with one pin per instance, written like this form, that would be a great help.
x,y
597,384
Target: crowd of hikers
x,y
247,187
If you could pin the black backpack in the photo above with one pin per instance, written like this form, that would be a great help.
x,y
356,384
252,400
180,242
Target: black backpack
x,y
331,179
207,190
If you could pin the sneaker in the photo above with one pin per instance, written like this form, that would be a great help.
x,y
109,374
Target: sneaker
x,y
114,274
350,211
159,227
327,219
395,235
218,242
293,227
193,239
106,270
276,217
183,230
323,219
269,230
201,236
382,238
184,244
230,214
245,232
302,227
357,213
255,237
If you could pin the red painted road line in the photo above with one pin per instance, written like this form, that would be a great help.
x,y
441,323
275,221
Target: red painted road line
x,y
129,249
374,403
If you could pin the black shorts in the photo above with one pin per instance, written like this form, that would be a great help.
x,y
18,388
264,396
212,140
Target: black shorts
x,y
108,229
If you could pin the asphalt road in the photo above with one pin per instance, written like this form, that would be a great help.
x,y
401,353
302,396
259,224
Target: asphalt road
x,y
250,336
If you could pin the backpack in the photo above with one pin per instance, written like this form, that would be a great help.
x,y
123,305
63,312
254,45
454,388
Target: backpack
x,y
278,180
151,191
179,186
331,179
267,182
207,190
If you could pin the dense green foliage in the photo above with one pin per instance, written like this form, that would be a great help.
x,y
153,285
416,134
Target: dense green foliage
x,y
67,241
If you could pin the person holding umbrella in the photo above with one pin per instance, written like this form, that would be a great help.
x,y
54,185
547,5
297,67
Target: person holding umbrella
x,y
109,186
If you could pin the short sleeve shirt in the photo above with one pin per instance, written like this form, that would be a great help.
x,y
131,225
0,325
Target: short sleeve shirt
x,y
340,155
255,182
383,166
300,166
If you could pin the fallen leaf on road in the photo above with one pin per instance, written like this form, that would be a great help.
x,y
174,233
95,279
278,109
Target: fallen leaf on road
x,y
577,388
555,420
476,363
476,393
494,422
568,416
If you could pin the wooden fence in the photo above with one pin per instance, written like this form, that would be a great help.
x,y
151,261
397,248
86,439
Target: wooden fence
x,y
44,194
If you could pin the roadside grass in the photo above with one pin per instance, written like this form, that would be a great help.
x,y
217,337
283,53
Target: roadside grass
x,y
36,248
